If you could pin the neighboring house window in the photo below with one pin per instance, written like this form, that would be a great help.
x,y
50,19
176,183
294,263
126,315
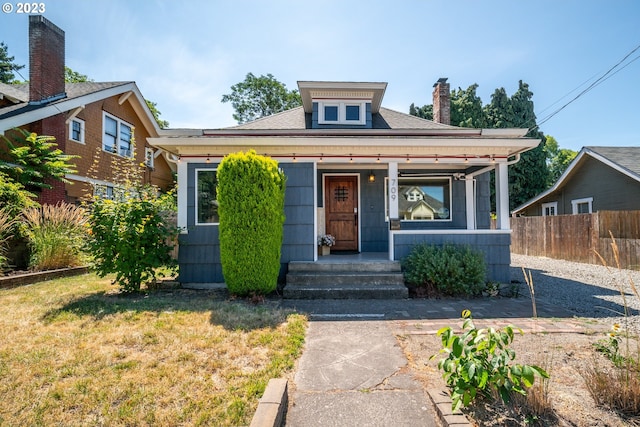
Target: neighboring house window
x,y
423,199
76,130
117,136
104,191
148,157
550,209
581,206
346,113
206,197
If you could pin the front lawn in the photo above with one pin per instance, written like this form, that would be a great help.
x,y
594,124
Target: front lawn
x,y
75,351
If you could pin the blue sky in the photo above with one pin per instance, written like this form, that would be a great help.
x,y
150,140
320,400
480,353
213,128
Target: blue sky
x,y
184,55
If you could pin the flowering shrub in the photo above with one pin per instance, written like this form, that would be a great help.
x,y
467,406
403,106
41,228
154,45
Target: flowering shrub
x,y
326,240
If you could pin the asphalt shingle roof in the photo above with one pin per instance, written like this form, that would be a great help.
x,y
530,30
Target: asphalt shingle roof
x,y
296,119
626,157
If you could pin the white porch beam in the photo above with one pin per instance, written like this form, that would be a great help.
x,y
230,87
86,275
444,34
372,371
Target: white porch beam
x,y
469,188
182,196
502,196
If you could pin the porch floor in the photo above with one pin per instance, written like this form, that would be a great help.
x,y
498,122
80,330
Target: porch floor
x,y
349,258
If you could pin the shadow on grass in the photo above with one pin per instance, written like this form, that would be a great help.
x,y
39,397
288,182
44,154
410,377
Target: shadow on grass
x,y
231,314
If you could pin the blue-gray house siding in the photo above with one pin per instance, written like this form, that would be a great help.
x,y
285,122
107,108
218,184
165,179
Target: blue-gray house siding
x,y
199,254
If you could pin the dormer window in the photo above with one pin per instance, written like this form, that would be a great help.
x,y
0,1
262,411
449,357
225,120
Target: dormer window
x,y
342,113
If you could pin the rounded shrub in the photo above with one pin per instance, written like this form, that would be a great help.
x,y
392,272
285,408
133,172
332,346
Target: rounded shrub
x,y
445,270
251,208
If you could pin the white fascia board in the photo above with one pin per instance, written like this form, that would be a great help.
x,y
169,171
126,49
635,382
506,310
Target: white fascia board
x,y
505,133
64,106
556,185
612,165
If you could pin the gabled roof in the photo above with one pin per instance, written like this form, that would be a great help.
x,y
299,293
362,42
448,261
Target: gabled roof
x,y
625,160
77,95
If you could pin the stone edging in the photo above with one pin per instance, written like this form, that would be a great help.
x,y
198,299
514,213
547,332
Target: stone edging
x,y
273,406
39,276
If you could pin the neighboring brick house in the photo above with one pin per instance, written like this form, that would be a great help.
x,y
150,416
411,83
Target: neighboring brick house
x,y
598,179
95,121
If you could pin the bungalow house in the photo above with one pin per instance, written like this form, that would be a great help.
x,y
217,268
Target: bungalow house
x,y
99,122
599,178
378,180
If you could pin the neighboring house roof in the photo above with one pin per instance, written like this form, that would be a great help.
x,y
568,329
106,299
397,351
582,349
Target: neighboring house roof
x,y
625,160
77,95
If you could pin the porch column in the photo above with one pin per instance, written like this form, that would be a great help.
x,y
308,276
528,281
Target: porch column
x,y
502,196
469,186
392,202
182,195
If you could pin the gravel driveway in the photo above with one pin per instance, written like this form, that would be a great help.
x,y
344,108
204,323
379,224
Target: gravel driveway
x,y
588,290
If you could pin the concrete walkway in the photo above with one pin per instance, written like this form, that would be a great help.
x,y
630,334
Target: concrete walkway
x,y
353,373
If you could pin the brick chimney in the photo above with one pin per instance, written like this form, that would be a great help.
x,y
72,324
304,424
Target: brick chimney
x,y
46,84
46,60
442,102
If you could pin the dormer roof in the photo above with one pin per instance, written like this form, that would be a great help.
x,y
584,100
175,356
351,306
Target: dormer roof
x,y
362,91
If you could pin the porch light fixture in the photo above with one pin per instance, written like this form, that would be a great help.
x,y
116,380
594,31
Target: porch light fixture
x,y
351,159
320,161
378,161
408,159
294,158
372,177
493,159
466,159
436,158
208,159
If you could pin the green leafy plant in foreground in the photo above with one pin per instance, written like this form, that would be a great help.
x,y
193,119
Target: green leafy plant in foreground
x,y
478,361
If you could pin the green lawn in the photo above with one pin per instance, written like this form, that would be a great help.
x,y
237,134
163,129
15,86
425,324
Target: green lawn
x,y
76,352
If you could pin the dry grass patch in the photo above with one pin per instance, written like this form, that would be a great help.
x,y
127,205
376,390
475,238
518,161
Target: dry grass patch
x,y
76,352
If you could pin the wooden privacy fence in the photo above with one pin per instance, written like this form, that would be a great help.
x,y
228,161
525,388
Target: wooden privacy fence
x,y
580,237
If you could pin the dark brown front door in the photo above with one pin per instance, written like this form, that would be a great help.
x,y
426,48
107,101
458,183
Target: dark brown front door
x,y
341,211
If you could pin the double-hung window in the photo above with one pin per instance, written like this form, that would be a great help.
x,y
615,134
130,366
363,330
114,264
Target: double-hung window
x,y
117,136
550,209
76,130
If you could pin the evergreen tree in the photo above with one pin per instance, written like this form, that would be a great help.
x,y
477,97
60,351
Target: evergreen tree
x,y
466,108
7,66
558,159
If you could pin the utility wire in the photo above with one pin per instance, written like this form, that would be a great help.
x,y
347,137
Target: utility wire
x,y
608,74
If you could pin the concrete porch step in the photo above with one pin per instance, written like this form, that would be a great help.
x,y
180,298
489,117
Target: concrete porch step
x,y
345,291
338,265
336,278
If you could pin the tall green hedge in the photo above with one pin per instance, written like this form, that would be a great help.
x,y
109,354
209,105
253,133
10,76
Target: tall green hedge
x,y
251,210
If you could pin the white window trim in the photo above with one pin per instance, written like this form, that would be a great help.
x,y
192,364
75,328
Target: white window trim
x,y
553,205
342,112
196,197
576,202
82,127
119,122
149,157
386,202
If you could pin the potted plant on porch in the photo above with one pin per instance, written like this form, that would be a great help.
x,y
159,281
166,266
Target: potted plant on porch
x,y
325,241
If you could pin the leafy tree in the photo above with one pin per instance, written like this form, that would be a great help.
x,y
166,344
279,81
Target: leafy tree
x,y
131,236
425,112
530,175
251,209
558,159
156,114
466,108
7,66
262,96
33,160
71,76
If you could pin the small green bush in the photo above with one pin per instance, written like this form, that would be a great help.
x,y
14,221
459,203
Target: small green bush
x,y
132,236
445,270
479,362
251,208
